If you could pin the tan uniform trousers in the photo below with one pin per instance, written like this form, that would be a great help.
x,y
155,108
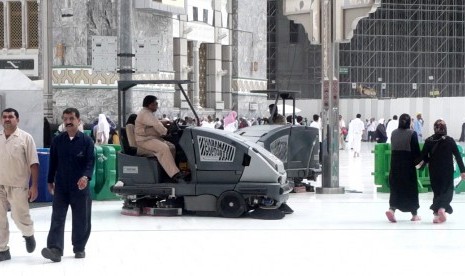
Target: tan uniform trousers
x,y
17,199
164,151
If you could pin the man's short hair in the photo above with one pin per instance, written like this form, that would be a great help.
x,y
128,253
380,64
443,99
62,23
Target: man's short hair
x,y
9,110
316,117
148,100
71,110
359,116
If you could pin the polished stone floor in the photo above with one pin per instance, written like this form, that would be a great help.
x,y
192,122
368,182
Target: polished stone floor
x,y
345,234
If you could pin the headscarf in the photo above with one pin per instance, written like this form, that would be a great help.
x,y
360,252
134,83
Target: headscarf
x,y
231,118
404,121
381,121
103,129
440,128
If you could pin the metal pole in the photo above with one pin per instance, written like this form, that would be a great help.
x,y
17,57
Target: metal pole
x,y
125,52
330,100
47,54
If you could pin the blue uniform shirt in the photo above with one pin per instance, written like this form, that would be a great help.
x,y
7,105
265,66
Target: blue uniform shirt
x,y
70,160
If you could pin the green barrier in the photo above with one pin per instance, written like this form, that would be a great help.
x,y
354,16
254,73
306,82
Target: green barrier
x,y
117,147
461,186
424,183
98,176
102,191
382,153
382,166
457,170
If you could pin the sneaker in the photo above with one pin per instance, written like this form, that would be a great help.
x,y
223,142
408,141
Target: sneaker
x,y
390,216
80,255
52,254
30,243
442,215
5,255
415,218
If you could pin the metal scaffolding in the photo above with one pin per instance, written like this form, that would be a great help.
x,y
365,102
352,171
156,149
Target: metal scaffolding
x,y
411,48
292,62
271,53
408,48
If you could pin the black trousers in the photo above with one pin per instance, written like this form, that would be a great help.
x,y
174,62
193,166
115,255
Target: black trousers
x,y
81,207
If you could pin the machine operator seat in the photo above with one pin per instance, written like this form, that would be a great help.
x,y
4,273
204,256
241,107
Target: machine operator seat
x,y
132,142
135,155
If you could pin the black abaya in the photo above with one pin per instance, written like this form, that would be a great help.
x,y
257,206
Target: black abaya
x,y
439,151
405,151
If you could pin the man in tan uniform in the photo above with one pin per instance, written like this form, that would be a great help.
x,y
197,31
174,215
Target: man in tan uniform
x,y
149,132
19,163
275,118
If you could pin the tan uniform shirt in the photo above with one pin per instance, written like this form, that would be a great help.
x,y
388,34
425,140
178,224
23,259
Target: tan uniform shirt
x,y
148,126
278,120
17,154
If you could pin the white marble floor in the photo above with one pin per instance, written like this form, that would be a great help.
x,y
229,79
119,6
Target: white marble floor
x,y
345,234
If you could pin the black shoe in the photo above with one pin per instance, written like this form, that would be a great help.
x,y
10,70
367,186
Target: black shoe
x,y
30,243
80,255
52,254
179,178
5,255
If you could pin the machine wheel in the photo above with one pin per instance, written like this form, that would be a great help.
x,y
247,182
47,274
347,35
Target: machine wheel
x,y
230,205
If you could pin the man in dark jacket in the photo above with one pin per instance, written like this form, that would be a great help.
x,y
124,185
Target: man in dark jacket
x,y
70,170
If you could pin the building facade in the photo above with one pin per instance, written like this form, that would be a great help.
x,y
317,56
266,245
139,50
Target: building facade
x,y
412,48
220,45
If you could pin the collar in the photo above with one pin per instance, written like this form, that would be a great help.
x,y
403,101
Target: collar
x,y
15,133
78,134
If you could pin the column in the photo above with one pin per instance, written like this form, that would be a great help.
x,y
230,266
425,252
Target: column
x,y
330,101
180,67
47,55
214,76
226,81
195,54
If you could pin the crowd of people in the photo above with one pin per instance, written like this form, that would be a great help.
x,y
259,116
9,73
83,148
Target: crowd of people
x,y
372,130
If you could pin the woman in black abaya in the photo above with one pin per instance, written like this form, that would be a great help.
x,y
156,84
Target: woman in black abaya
x,y
438,152
405,152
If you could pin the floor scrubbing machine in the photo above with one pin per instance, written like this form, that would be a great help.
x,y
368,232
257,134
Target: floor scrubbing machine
x,y
297,146
229,176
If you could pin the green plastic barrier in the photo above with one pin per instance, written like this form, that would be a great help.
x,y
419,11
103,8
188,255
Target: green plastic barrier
x,y
382,166
382,153
424,183
98,176
461,186
102,190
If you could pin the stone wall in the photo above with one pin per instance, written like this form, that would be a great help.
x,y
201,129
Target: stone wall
x,y
249,36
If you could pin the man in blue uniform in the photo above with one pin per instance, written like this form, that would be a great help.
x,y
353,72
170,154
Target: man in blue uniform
x,y
70,170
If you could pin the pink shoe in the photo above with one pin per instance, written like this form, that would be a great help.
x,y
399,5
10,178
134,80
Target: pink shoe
x,y
390,216
415,218
442,215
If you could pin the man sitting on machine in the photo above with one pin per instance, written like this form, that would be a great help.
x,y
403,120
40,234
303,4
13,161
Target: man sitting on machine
x,y
149,132
275,118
